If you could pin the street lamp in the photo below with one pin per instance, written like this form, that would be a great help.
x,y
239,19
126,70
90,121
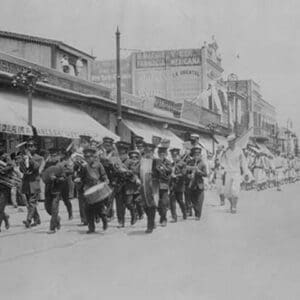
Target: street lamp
x,y
27,79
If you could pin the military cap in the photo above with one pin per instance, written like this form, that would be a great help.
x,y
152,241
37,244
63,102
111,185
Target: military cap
x,y
30,141
122,145
231,137
149,146
108,140
162,149
194,136
134,152
174,150
53,151
85,138
196,148
138,139
87,151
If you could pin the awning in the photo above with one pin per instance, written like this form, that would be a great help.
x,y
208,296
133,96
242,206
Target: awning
x,y
13,119
148,132
263,148
57,119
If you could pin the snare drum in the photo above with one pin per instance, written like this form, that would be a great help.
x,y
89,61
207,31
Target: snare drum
x,y
97,193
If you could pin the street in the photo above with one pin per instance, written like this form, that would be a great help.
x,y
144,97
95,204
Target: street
x,y
251,255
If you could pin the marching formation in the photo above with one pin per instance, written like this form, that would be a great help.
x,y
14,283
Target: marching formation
x,y
110,177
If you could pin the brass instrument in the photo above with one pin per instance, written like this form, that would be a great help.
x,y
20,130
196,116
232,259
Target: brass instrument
x,y
8,178
78,158
163,170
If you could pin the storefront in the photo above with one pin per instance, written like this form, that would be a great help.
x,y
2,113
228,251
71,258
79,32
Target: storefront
x,y
152,132
51,120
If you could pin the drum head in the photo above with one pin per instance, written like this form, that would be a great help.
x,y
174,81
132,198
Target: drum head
x,y
94,188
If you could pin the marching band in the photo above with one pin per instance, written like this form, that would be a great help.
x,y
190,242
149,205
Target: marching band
x,y
143,179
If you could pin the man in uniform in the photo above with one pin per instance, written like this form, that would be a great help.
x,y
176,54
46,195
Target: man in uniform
x,y
5,170
108,159
134,166
92,174
219,179
31,183
177,184
125,186
197,171
139,144
163,169
55,176
149,188
84,144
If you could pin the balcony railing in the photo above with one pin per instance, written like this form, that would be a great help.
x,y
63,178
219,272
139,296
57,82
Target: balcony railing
x,y
13,65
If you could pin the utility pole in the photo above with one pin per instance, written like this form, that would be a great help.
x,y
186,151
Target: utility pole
x,y
28,80
119,104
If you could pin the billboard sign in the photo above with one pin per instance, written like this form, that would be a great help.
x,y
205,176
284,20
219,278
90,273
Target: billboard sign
x,y
168,58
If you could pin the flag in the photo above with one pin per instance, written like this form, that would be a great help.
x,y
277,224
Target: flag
x,y
243,139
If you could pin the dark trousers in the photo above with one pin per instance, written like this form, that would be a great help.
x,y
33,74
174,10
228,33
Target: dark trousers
x,y
124,201
82,205
109,203
66,199
177,197
93,210
32,212
163,204
52,208
197,198
3,201
150,213
139,205
188,202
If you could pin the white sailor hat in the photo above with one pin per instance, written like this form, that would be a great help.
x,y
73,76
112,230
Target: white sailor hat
x,y
231,137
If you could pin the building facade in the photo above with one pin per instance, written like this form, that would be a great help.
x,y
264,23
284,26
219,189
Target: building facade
x,y
248,109
193,75
48,53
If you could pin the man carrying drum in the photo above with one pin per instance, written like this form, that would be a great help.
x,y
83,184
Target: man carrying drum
x,y
108,158
91,175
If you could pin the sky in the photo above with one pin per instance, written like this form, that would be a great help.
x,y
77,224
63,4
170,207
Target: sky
x,y
264,34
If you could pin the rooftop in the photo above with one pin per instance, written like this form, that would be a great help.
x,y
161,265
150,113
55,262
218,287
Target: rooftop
x,y
43,41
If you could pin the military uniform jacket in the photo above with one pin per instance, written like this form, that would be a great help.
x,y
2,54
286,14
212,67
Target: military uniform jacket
x,y
92,175
196,173
162,172
131,184
31,175
178,183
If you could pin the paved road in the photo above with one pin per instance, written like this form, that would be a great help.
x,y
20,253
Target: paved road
x,y
252,255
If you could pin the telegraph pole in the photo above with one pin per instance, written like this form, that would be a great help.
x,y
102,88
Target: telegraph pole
x,y
118,78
